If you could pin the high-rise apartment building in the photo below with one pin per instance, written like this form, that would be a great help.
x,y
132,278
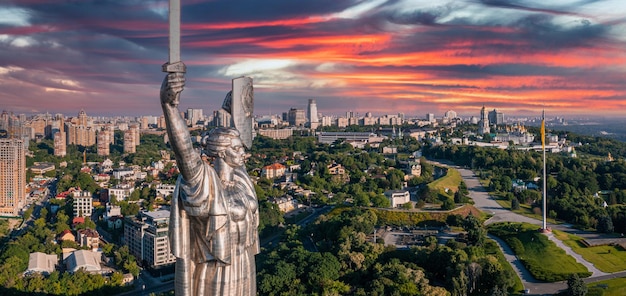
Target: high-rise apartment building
x,y
110,129
38,126
130,140
80,131
496,117
104,143
59,137
15,127
313,118
137,132
81,135
147,238
327,121
296,117
483,124
4,120
193,116
59,144
161,123
144,122
12,176
222,118
82,118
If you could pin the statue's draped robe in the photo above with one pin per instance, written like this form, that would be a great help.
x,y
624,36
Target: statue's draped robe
x,y
213,234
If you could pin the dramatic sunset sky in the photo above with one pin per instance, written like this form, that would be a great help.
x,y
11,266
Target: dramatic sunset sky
x,y
379,56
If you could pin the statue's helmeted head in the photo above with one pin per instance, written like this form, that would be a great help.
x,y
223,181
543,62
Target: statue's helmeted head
x,y
218,139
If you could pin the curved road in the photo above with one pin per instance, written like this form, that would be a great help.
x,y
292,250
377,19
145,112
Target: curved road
x,y
484,202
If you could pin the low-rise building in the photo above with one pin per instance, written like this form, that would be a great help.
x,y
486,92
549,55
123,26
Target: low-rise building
x,y
275,170
336,169
411,168
112,211
398,197
123,173
41,263
331,137
66,235
40,168
121,191
276,134
286,204
88,238
87,260
163,190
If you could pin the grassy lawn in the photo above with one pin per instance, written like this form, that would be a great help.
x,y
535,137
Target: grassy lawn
x,y
612,287
451,181
605,258
491,248
542,258
504,203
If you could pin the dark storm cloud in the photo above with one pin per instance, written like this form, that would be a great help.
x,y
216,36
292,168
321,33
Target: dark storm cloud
x,y
543,33
426,17
521,6
254,10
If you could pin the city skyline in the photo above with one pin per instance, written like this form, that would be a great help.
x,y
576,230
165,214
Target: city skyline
x,y
373,56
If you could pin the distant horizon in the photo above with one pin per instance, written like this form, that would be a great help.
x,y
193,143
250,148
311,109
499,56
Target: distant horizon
x,y
378,56
343,114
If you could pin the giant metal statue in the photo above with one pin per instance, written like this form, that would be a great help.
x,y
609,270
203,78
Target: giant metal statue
x,y
214,214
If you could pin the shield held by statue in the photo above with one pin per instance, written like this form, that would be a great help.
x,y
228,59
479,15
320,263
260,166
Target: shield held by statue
x,y
241,107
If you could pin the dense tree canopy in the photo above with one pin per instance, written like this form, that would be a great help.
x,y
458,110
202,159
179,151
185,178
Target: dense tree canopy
x,y
577,187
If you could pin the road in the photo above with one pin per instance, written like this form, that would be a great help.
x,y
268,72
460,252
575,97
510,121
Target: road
x,y
486,203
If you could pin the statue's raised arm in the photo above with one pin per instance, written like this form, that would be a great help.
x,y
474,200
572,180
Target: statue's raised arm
x,y
187,159
214,213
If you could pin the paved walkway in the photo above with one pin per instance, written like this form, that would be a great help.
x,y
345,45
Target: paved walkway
x,y
486,203
594,271
534,286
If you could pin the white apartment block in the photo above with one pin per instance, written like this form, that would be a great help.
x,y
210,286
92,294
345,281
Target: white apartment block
x,y
82,204
165,189
147,238
121,191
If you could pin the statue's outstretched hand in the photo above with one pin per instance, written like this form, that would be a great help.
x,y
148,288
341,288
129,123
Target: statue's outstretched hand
x,y
173,84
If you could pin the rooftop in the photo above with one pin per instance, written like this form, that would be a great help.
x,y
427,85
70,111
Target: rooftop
x,y
156,215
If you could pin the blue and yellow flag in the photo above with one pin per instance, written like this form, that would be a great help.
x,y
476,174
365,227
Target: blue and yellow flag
x,y
543,132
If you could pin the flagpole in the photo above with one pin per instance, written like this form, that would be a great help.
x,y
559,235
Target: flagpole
x,y
543,147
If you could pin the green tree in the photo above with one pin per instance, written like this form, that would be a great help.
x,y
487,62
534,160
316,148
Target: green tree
x,y
515,204
475,231
448,204
576,286
380,201
62,223
279,280
407,206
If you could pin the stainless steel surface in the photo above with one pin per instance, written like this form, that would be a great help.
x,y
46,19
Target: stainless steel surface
x,y
214,215
174,19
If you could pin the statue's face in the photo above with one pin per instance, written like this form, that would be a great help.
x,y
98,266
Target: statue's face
x,y
235,154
